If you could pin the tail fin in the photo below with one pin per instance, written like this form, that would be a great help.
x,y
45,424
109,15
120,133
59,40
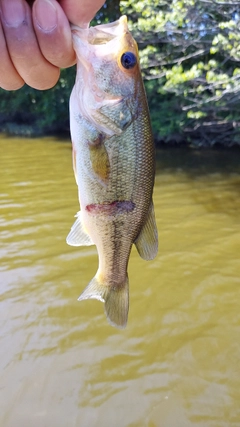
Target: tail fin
x,y
116,300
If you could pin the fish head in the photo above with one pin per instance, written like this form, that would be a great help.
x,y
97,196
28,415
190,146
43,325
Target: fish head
x,y
108,74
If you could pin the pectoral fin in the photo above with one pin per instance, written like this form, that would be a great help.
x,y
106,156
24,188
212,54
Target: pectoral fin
x,y
147,240
78,235
100,161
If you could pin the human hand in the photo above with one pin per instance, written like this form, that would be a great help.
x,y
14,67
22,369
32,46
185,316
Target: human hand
x,y
36,40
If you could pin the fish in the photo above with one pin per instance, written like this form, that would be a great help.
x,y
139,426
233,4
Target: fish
x,y
113,161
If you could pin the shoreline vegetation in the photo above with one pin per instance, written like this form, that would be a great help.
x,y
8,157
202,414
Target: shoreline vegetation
x,y
15,130
190,59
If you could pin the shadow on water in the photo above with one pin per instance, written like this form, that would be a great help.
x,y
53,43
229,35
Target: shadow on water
x,y
213,175
198,162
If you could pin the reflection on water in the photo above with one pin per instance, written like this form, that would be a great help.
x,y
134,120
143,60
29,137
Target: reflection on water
x,y
177,364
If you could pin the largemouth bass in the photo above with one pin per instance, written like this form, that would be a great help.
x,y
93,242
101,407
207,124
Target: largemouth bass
x,y
113,159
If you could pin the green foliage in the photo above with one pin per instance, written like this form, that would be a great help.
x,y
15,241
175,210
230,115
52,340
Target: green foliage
x,y
190,57
38,112
190,51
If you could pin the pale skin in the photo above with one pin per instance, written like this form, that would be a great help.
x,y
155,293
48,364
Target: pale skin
x,y
36,41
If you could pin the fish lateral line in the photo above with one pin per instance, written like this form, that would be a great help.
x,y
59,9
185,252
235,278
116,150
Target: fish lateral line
x,y
111,208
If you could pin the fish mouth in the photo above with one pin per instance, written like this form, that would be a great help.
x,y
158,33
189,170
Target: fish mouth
x,y
102,34
111,208
98,50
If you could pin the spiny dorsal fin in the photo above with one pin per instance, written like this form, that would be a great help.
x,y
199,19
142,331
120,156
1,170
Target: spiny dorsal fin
x,y
78,235
116,300
147,240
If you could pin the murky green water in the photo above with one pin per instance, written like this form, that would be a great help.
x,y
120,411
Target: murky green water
x,y
178,362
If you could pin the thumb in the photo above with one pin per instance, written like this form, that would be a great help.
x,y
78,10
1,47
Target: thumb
x,y
81,12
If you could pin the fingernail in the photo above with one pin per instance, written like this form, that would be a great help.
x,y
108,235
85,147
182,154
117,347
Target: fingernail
x,y
45,14
14,12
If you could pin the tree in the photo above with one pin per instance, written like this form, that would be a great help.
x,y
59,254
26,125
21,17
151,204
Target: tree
x,y
33,112
190,57
190,54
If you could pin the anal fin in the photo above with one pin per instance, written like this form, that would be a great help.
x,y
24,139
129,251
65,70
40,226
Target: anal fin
x,y
78,235
147,240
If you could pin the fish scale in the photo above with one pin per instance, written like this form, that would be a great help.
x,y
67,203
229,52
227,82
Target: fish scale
x,y
114,161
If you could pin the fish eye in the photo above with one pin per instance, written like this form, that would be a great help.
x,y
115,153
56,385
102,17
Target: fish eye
x,y
128,60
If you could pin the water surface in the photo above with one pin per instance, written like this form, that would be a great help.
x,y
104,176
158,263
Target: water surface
x,y
178,362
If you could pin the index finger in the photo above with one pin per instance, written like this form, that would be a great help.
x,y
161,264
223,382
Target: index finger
x,y
23,46
9,77
54,35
